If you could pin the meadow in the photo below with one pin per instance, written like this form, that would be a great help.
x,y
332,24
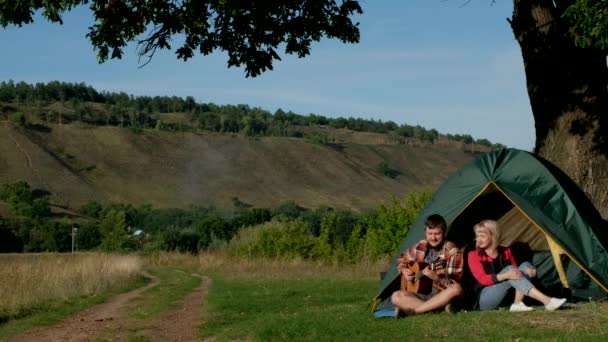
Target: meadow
x,y
297,300
280,299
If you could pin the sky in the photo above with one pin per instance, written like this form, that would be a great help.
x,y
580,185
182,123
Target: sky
x,y
434,63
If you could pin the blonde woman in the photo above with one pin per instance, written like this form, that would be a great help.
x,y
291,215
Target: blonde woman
x,y
497,273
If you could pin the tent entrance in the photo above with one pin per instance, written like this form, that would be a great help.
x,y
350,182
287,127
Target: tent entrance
x,y
528,241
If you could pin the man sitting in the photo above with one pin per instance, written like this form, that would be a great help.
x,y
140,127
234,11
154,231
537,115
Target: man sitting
x,y
446,271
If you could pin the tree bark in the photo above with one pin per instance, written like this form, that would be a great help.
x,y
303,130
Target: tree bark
x,y
568,90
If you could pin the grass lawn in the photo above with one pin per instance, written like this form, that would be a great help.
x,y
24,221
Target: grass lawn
x,y
328,309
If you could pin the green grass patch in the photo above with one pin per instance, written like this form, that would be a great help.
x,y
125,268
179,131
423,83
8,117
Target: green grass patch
x,y
338,310
174,285
54,312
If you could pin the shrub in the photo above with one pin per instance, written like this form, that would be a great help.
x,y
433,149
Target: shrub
x,y
392,223
18,119
88,236
90,209
9,241
355,246
274,239
22,200
287,211
113,229
385,169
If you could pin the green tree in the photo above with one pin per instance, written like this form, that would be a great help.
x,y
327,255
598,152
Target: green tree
x,y
113,229
355,246
393,221
277,238
88,236
326,242
7,91
250,34
50,236
289,210
18,192
9,241
169,239
213,227
18,119
90,209
189,240
22,200
564,48
385,169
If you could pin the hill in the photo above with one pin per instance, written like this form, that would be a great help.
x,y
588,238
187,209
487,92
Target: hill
x,y
79,163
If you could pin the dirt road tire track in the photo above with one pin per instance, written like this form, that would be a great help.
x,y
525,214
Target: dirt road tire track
x,y
109,321
181,324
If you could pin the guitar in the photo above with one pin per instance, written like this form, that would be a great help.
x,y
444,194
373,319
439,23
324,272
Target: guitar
x,y
421,283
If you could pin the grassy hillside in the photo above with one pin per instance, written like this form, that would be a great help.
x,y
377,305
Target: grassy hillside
x,y
77,164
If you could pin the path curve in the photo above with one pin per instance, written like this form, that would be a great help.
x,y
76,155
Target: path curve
x,y
109,321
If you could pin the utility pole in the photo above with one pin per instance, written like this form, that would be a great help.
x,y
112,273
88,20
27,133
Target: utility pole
x,y
74,230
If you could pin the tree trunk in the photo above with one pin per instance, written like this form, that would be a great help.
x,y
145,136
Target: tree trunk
x,y
568,90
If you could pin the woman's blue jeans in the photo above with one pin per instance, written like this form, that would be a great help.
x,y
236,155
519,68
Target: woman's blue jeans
x,y
492,296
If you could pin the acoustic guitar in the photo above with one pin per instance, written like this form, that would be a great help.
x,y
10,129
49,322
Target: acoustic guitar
x,y
421,283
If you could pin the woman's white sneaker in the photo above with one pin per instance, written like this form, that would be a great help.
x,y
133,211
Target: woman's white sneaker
x,y
520,307
554,304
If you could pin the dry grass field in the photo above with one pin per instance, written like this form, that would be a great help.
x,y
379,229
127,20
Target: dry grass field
x,y
228,266
33,280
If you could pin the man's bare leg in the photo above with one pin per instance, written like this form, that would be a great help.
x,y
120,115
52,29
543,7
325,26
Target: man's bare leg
x,y
440,300
406,300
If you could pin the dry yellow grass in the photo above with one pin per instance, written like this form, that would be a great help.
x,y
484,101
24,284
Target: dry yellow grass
x,y
297,268
31,280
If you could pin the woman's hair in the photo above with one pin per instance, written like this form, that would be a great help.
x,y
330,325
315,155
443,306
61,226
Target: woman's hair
x,y
489,227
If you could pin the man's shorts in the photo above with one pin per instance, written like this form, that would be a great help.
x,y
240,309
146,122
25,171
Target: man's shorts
x,y
426,297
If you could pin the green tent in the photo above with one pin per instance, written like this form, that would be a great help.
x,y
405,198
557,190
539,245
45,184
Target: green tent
x,y
541,212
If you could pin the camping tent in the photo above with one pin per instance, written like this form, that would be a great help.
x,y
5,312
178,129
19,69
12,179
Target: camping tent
x,y
541,212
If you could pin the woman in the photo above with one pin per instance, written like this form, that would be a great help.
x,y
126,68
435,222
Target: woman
x,y
496,272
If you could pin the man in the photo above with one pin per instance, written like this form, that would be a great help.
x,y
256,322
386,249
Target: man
x,y
446,273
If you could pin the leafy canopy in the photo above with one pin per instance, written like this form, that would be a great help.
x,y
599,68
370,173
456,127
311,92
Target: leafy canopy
x,y
249,31
590,18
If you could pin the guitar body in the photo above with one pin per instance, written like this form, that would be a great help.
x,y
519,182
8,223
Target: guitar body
x,y
421,283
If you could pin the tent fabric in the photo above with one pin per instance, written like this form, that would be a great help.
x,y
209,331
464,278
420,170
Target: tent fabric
x,y
534,203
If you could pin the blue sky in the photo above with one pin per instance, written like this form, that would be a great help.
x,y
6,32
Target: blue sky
x,y
432,63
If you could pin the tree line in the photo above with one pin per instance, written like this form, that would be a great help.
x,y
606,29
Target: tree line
x,y
285,230
140,112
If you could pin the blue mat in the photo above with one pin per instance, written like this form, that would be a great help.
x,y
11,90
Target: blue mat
x,y
390,313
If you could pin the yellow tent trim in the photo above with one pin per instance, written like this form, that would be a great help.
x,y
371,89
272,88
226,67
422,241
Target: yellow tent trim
x,y
547,235
556,252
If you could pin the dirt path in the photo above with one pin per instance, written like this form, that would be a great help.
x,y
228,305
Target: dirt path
x,y
182,323
109,321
